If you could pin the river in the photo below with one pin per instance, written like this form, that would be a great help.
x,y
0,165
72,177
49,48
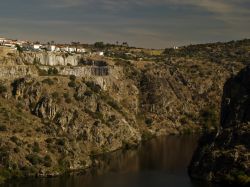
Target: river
x,y
160,162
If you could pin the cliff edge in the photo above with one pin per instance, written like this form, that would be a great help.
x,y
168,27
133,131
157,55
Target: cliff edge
x,y
224,156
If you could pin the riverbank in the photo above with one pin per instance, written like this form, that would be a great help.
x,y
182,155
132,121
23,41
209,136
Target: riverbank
x,y
92,161
162,161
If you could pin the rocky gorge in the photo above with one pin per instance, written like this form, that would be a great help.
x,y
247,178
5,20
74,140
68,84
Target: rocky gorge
x,y
224,156
57,112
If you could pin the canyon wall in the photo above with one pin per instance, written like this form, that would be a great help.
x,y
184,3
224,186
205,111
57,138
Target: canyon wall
x,y
224,156
57,114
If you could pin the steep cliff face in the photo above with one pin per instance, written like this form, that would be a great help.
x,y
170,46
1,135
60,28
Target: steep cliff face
x,y
51,125
51,59
224,156
14,71
182,94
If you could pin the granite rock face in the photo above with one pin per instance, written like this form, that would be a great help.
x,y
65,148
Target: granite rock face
x,y
51,59
224,156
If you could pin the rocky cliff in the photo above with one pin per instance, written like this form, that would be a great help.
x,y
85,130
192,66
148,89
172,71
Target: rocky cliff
x,y
51,59
224,156
56,113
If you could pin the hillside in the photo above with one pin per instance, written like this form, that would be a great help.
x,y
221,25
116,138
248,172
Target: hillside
x,y
58,110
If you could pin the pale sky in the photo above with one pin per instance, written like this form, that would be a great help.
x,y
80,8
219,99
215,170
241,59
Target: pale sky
x,y
142,23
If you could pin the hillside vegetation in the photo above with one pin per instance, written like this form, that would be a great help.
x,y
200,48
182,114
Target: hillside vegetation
x,y
54,116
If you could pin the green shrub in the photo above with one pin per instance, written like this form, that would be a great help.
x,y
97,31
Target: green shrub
x,y
19,48
72,84
47,161
19,105
114,105
4,155
36,147
3,89
14,139
148,121
34,159
49,140
66,95
63,164
72,77
3,128
29,170
77,98
68,100
146,135
16,150
243,179
55,95
4,174
209,118
52,71
61,142
94,87
88,93
238,177
48,81
112,118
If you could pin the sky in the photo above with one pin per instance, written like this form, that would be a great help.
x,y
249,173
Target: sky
x,y
141,23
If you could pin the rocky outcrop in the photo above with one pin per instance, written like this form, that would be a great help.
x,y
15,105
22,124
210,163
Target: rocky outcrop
x,y
14,71
51,58
224,156
46,108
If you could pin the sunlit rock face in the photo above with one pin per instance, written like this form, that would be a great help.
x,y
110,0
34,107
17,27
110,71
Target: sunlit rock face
x,y
52,59
224,156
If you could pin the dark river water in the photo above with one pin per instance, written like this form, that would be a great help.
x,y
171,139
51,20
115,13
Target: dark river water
x,y
161,162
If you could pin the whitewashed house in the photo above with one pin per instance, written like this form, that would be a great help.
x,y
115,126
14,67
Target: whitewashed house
x,y
37,46
2,40
101,53
52,48
72,49
81,50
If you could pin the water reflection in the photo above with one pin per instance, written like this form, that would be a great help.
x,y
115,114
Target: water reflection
x,y
159,162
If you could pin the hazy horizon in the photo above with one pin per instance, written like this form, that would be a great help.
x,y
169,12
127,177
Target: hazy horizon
x,y
144,23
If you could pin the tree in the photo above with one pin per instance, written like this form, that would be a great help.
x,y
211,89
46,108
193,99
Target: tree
x,y
99,45
19,48
125,44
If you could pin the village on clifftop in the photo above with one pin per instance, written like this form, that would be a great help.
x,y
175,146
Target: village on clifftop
x,y
74,47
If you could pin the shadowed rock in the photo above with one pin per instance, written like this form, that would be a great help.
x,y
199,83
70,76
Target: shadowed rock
x,y
224,156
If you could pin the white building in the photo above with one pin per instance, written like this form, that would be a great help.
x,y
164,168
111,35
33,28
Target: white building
x,y
37,46
52,48
72,49
81,50
69,49
101,53
2,40
10,45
